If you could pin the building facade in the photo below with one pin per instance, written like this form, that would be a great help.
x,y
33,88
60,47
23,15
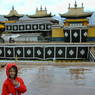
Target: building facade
x,y
73,40
39,23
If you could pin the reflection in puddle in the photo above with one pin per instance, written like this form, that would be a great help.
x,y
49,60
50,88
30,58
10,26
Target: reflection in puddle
x,y
77,73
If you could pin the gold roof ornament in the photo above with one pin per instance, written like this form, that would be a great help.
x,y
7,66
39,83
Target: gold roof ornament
x,y
41,8
75,4
41,13
76,12
45,8
69,5
82,5
36,9
13,12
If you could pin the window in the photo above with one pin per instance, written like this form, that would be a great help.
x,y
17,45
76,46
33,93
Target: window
x,y
76,24
9,27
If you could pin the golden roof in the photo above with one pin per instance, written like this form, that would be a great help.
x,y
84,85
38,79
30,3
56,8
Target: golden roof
x,y
8,21
41,13
76,20
13,12
2,26
76,12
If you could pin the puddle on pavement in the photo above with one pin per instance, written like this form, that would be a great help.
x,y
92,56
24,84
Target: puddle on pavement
x,y
43,78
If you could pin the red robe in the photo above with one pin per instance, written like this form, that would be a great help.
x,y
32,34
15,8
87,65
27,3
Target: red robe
x,y
9,88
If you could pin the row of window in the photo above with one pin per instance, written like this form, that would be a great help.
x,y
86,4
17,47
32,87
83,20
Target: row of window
x,y
76,24
28,27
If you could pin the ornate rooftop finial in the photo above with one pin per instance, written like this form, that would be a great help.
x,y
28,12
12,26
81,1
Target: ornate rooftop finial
x,y
69,5
41,7
75,4
45,8
82,5
12,7
36,9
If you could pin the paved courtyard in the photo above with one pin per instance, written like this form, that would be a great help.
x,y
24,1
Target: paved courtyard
x,y
56,80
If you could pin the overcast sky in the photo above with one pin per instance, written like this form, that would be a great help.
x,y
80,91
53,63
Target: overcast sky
x,y
53,6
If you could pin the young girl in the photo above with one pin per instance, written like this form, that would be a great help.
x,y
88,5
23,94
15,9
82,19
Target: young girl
x,y
13,85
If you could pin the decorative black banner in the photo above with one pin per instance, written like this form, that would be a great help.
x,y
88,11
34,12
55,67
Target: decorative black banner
x,y
83,35
75,37
39,52
71,52
48,26
18,51
9,51
44,53
67,35
82,52
21,27
15,27
28,51
1,51
42,26
49,52
60,52
8,27
35,26
28,27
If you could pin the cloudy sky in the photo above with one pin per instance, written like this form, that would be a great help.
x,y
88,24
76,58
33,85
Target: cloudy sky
x,y
53,6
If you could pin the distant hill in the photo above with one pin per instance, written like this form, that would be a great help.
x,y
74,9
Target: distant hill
x,y
2,18
92,19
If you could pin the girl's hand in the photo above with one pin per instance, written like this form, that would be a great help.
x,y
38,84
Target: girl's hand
x,y
15,82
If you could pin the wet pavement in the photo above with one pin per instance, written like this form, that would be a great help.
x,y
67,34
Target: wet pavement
x,y
56,80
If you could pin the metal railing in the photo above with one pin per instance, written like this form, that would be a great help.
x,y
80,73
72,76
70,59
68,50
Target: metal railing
x,y
92,55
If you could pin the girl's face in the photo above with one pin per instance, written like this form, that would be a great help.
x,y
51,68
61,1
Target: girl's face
x,y
12,73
